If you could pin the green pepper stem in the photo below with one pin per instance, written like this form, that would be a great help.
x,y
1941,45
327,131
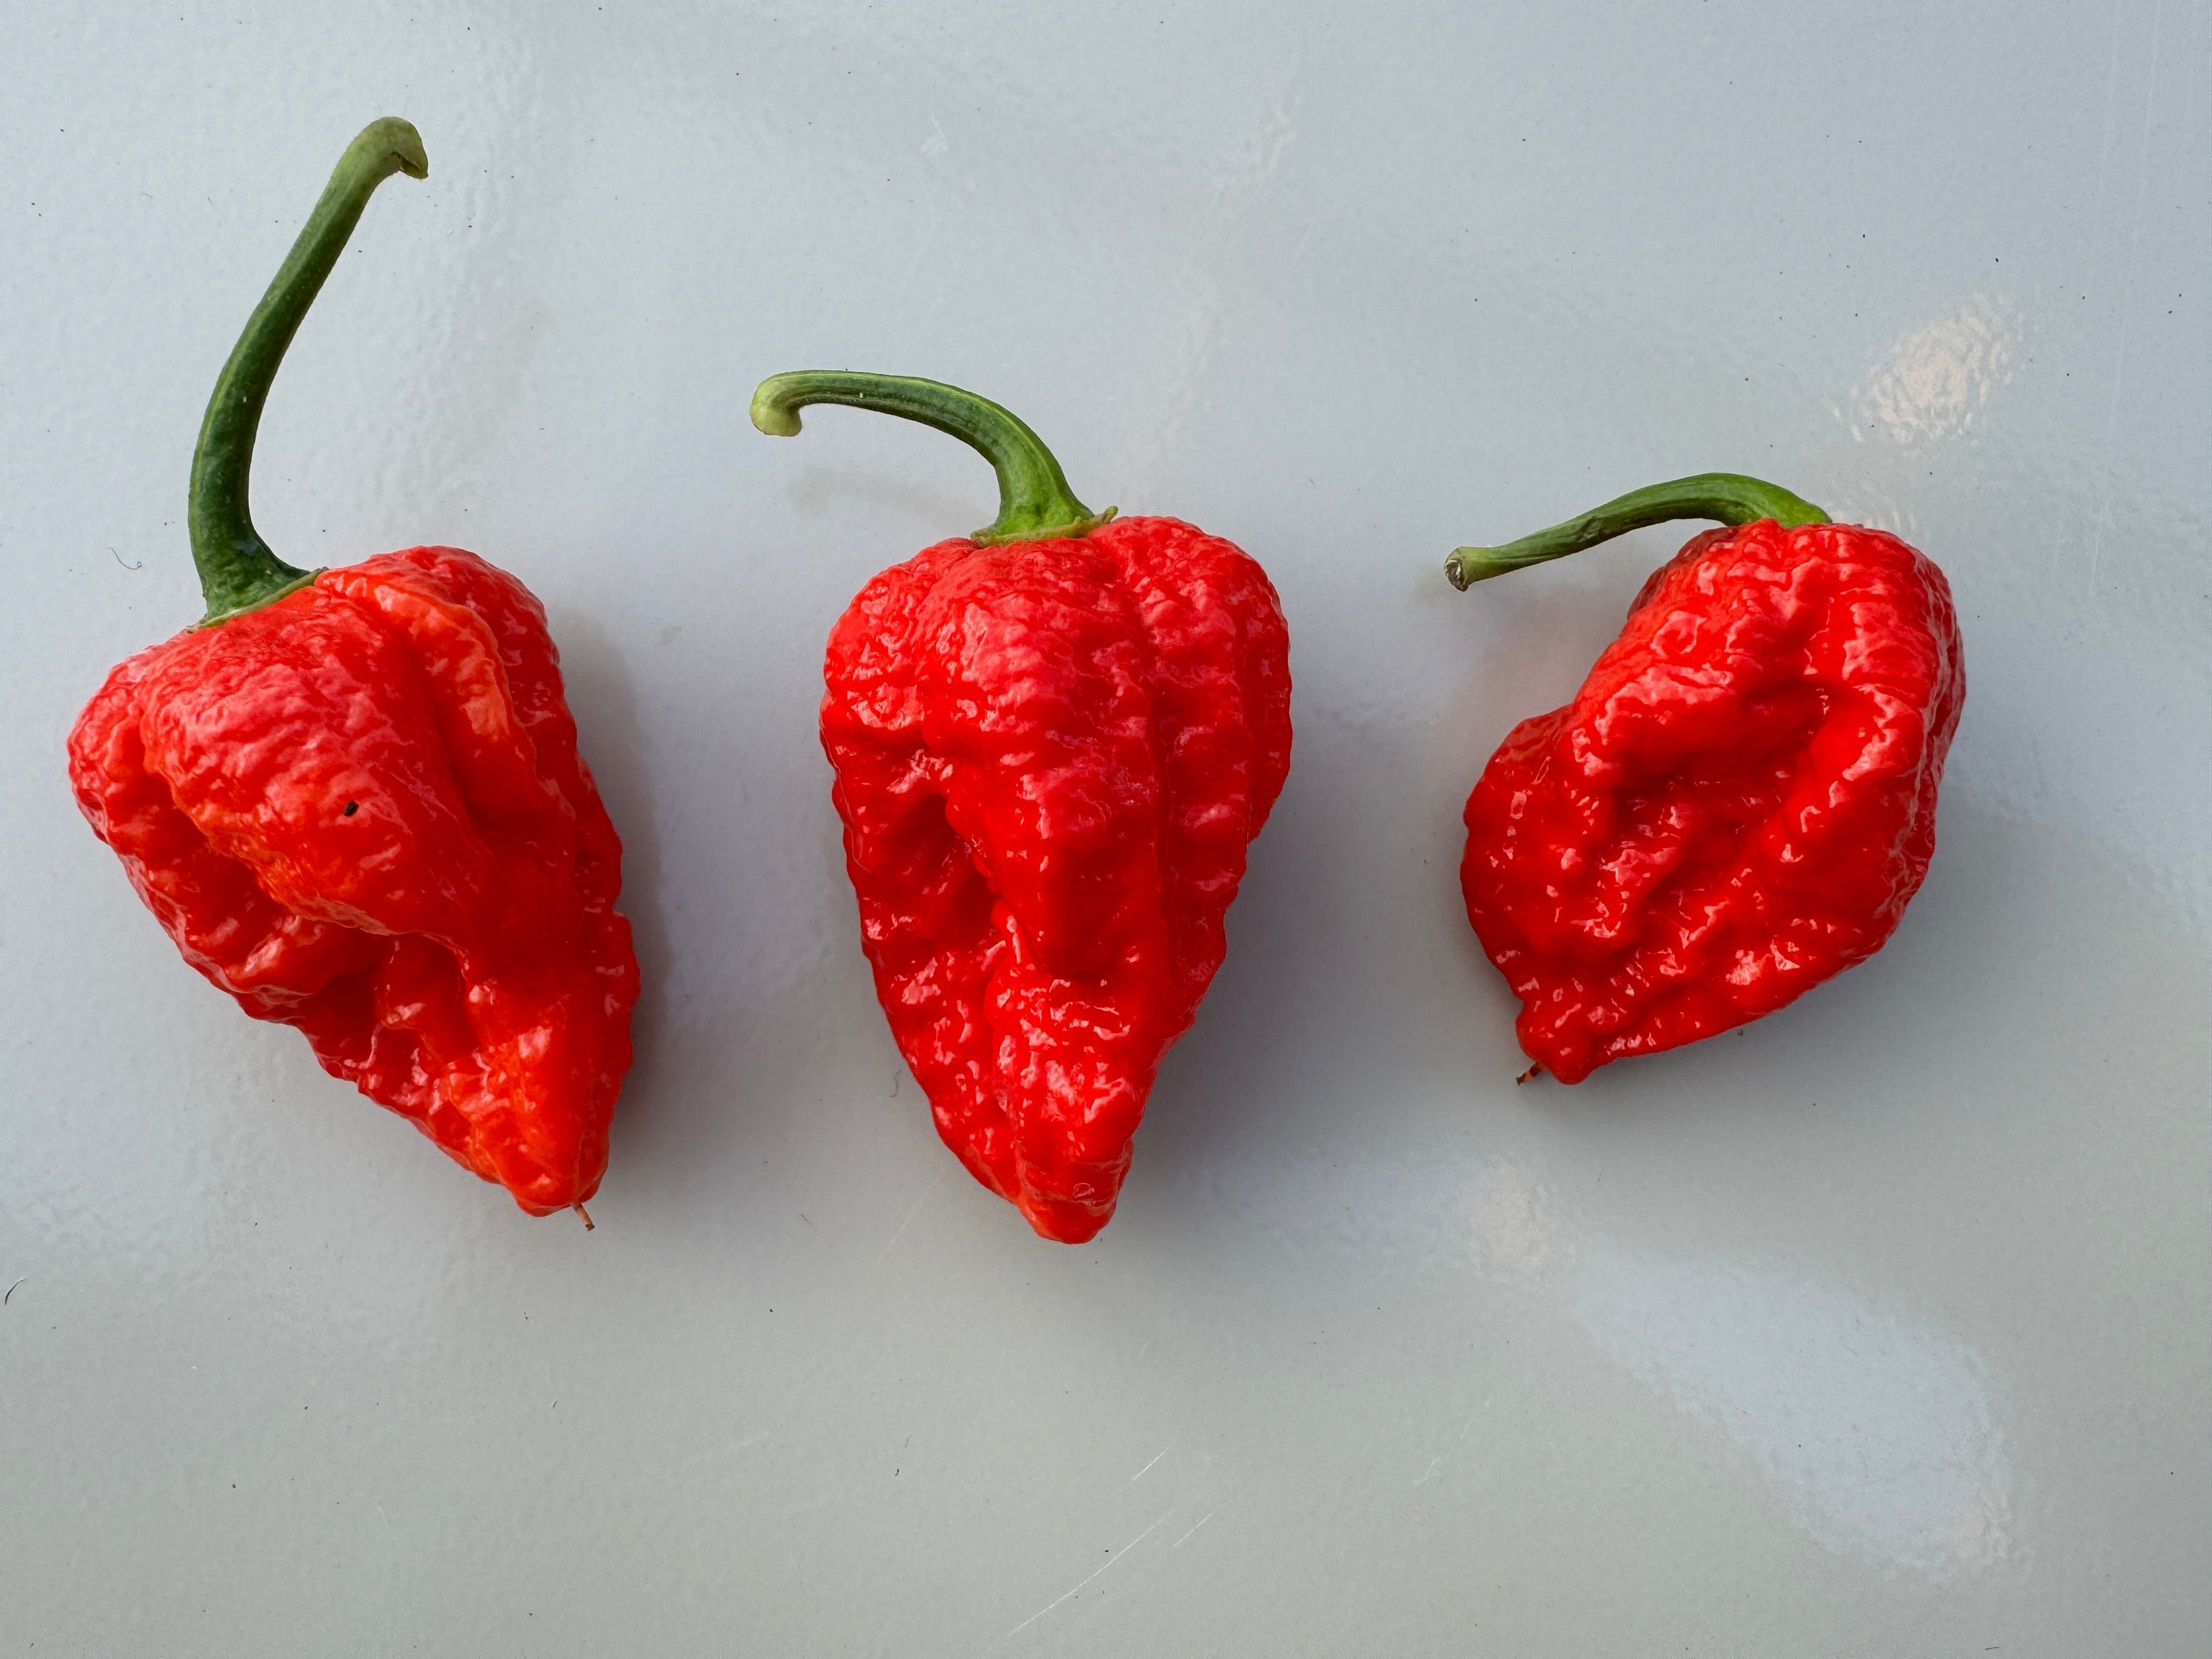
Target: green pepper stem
x,y
1728,497
1035,503
238,571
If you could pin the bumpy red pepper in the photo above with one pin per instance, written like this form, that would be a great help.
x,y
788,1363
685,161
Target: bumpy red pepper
x,y
1739,801
1053,741
353,798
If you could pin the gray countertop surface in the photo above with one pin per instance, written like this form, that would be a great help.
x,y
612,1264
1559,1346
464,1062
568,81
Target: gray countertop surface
x,y
1879,1327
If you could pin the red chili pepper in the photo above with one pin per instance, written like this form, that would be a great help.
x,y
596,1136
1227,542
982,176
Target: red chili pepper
x,y
353,798
1741,799
1053,741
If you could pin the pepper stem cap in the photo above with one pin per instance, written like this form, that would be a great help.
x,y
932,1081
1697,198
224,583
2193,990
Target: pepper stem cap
x,y
1728,497
238,570
1035,503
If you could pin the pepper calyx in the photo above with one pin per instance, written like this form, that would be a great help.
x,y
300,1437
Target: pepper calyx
x,y
305,579
998,534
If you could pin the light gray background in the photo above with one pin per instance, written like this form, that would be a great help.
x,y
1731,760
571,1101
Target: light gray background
x,y
1879,1328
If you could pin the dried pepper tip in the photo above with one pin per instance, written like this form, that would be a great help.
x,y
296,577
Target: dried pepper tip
x,y
1035,503
238,571
1727,497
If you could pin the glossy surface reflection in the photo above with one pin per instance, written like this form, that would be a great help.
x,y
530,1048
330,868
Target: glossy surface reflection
x,y
1881,1326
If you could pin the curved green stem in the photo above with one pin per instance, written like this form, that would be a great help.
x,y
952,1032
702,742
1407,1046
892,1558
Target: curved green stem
x,y
238,572
1035,503
1728,497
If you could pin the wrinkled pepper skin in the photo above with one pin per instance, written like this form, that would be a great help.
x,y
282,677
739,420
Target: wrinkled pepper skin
x,y
359,811
352,798
1053,741
1050,757
1736,806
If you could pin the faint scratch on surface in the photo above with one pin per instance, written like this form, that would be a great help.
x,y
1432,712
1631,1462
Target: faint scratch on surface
x,y
1435,1464
883,1254
1148,1469
758,1437
1186,1538
1118,1555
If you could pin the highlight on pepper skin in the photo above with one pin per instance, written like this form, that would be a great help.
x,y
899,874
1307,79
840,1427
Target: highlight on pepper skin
x,y
1053,741
353,799
1739,801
